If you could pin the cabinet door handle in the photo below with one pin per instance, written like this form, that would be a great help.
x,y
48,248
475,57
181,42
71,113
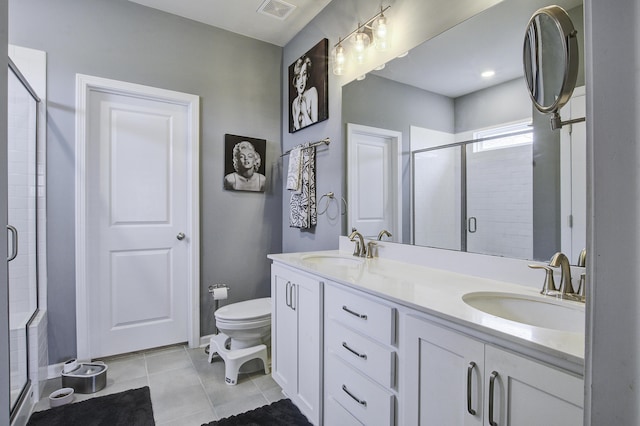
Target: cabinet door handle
x,y
359,355
492,381
356,399
361,316
470,368
294,293
287,294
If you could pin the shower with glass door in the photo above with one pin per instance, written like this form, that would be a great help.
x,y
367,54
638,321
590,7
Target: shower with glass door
x,y
22,153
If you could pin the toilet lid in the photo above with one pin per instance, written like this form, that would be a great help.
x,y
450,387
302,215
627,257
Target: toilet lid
x,y
249,309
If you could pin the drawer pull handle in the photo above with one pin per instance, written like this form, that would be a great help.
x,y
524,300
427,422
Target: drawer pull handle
x,y
470,368
359,355
355,314
359,401
492,381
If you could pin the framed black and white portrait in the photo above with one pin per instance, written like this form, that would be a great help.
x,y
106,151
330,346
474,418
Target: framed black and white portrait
x,y
308,90
244,164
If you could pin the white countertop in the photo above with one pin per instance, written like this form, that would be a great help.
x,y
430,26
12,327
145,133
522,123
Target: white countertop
x,y
439,293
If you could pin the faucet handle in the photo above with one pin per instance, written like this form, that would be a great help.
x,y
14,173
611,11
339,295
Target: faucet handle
x,y
370,249
549,286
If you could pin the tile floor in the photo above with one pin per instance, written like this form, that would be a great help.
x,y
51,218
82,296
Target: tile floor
x,y
185,388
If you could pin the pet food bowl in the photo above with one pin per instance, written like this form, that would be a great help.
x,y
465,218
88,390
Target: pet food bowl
x,y
61,397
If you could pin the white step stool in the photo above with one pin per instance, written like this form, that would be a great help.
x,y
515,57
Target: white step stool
x,y
234,358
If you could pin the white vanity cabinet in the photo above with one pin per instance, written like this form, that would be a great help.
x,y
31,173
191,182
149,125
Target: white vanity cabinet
x,y
296,338
450,378
360,358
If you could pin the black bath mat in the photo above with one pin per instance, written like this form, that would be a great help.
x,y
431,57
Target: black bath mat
x,y
279,413
130,408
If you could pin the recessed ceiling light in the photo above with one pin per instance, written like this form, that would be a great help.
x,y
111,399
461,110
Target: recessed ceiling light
x,y
361,77
380,67
488,74
402,55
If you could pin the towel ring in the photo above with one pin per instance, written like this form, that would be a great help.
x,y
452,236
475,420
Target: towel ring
x,y
331,196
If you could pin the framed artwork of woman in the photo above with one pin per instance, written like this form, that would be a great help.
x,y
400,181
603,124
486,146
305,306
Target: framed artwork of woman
x,y
244,167
308,92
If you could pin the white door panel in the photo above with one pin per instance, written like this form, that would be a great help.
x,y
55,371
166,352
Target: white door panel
x,y
139,286
374,181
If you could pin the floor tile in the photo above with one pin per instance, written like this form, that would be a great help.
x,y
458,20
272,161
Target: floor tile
x,y
196,419
240,405
165,361
174,404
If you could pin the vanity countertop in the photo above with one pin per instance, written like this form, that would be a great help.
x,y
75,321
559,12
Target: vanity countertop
x,y
439,293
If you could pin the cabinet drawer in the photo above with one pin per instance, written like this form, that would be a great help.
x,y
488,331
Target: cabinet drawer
x,y
369,402
372,358
372,318
335,414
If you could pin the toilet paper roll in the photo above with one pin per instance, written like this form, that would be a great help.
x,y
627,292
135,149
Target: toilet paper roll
x,y
219,293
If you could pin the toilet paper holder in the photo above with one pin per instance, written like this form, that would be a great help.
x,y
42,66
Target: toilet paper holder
x,y
215,286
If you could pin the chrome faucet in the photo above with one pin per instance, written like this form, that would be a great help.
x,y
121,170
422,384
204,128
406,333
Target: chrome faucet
x,y
361,249
566,288
383,233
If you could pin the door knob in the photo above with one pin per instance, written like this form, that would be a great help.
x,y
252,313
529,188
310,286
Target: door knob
x,y
180,236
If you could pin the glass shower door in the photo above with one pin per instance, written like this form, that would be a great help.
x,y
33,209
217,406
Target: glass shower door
x,y
22,208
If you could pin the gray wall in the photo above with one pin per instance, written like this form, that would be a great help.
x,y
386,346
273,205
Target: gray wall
x,y
5,371
497,104
237,79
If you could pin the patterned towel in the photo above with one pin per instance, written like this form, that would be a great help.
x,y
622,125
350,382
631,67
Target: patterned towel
x,y
294,175
302,206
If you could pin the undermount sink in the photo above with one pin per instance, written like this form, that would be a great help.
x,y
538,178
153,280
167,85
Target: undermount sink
x,y
537,311
332,260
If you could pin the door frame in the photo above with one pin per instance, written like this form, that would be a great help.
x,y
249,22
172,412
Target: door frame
x,y
85,84
396,152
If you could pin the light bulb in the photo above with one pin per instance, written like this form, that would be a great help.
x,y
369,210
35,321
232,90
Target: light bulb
x,y
380,32
360,43
338,59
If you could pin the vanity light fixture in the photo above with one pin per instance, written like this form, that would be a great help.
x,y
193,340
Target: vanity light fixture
x,y
374,32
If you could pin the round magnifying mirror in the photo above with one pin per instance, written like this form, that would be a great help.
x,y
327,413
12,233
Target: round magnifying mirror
x,y
550,57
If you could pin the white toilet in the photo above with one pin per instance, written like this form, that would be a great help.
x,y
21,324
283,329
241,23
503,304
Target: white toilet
x,y
243,338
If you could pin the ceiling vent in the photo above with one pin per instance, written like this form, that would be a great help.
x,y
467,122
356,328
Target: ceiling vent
x,y
276,9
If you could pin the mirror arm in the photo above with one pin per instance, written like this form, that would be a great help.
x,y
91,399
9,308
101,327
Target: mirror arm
x,y
557,123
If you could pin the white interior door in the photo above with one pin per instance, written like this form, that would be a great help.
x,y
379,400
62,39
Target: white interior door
x,y
139,230
374,181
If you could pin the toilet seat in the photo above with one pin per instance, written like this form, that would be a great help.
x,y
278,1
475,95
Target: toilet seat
x,y
247,311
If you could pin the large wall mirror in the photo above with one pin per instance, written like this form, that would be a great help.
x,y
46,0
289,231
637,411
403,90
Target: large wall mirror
x,y
473,165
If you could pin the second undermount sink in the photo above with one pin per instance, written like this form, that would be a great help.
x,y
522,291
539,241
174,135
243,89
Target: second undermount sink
x,y
332,260
537,311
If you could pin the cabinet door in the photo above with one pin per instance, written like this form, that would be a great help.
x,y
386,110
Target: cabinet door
x,y
307,304
442,376
284,333
526,392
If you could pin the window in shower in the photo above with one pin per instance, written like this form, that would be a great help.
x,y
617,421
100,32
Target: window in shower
x,y
22,219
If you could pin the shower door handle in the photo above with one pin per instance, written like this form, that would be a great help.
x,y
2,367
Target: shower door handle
x,y
14,243
472,225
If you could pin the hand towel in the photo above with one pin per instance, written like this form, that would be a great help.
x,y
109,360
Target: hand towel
x,y
302,206
295,168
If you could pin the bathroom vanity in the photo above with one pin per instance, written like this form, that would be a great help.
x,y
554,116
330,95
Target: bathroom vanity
x,y
380,341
